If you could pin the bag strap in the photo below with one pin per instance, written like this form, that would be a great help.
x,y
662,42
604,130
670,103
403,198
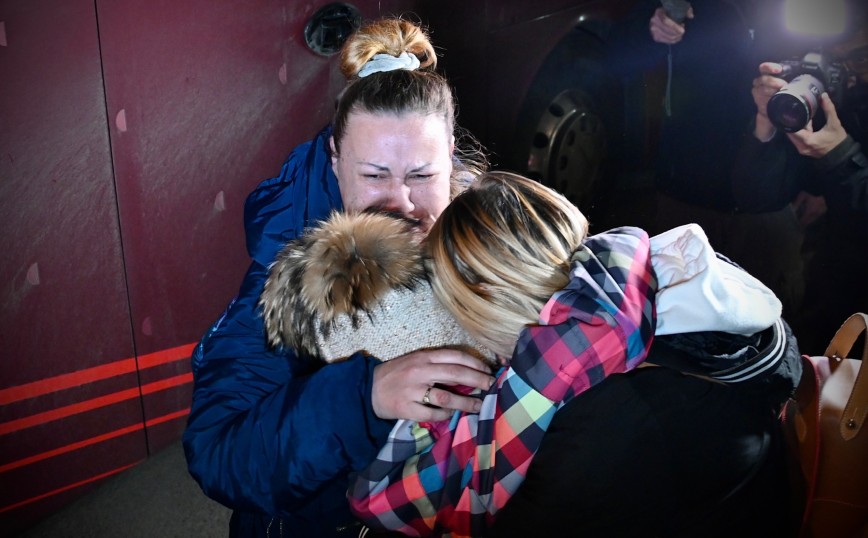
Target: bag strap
x,y
857,405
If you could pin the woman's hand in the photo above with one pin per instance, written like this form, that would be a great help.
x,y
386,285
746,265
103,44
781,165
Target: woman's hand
x,y
401,385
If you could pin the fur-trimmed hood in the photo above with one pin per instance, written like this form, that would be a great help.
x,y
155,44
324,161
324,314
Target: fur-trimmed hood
x,y
357,282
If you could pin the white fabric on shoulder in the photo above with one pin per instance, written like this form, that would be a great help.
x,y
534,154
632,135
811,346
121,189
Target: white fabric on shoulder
x,y
697,291
386,62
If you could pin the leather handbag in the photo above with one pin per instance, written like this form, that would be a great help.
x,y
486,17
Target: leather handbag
x,y
825,427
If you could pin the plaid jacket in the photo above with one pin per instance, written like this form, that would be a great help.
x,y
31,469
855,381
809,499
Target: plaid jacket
x,y
452,477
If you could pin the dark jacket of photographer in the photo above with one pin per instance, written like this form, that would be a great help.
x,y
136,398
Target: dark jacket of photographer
x,y
767,176
709,109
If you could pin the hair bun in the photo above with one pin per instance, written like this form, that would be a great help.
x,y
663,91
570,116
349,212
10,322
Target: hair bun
x,y
392,36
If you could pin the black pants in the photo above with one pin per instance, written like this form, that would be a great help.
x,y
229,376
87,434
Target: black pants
x,y
655,453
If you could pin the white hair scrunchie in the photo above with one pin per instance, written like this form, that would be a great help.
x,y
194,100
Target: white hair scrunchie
x,y
386,62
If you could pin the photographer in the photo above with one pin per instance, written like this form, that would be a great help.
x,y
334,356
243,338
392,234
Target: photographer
x,y
708,60
822,165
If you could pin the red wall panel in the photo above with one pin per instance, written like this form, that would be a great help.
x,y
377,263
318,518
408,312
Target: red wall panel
x,y
63,294
130,133
190,97
204,99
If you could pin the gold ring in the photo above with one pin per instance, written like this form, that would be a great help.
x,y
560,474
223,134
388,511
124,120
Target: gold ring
x,y
427,398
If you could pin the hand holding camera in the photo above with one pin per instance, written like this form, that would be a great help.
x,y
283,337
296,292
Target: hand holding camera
x,y
793,107
818,143
764,87
787,97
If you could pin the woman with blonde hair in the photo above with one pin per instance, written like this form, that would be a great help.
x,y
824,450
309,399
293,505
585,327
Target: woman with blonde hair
x,y
524,242
570,314
503,259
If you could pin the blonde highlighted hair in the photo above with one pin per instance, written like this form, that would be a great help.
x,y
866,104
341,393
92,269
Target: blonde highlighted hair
x,y
499,251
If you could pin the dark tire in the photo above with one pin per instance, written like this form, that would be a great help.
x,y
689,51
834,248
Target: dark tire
x,y
567,121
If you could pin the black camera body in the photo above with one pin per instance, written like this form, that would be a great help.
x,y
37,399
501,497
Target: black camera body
x,y
676,9
791,108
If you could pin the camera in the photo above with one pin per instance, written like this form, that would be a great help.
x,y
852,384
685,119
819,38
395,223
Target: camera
x,y
791,108
676,9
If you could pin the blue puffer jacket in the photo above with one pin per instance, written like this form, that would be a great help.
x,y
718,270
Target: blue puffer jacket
x,y
271,435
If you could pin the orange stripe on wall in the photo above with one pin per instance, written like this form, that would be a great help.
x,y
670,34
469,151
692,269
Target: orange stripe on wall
x,y
90,375
93,403
92,441
70,447
68,487
167,383
65,381
66,411
166,356
166,418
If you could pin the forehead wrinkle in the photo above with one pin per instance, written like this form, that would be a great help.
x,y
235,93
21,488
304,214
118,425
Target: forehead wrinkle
x,y
384,167
420,167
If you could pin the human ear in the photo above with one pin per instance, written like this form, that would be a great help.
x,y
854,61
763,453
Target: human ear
x,y
334,155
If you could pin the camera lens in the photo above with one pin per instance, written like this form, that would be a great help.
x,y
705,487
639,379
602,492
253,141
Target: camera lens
x,y
788,112
794,105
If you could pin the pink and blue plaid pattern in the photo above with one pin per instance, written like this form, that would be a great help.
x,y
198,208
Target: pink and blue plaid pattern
x,y
451,478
